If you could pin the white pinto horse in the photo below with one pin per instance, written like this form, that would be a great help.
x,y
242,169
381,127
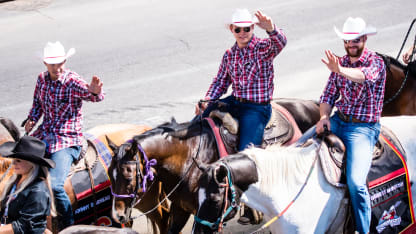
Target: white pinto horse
x,y
279,175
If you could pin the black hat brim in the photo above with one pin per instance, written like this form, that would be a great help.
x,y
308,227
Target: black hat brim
x,y
6,151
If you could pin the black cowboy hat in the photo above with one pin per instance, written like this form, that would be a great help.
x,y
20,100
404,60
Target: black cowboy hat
x,y
27,148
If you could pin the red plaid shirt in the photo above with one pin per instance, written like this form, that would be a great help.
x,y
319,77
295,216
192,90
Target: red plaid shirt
x,y
60,103
249,69
362,101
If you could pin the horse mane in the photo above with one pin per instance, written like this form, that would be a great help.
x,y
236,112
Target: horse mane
x,y
388,60
11,127
280,165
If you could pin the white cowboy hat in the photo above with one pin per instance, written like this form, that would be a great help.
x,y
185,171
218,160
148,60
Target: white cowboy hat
x,y
54,53
243,18
355,28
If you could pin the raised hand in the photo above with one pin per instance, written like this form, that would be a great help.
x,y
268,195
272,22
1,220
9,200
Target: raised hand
x,y
96,85
265,22
332,63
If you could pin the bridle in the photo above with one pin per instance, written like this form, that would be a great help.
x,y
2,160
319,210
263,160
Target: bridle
x,y
219,224
144,176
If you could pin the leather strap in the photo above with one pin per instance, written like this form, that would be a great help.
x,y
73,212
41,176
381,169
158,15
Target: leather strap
x,y
220,144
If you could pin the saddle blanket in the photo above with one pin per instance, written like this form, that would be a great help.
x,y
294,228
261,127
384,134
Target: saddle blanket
x,y
100,201
390,194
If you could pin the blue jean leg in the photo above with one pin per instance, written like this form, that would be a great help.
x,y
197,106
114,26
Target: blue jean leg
x,y
63,159
253,119
359,140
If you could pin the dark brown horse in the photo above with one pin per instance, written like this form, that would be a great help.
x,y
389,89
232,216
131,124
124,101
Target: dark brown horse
x,y
178,150
400,93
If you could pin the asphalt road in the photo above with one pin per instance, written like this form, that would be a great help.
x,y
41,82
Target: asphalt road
x,y
157,58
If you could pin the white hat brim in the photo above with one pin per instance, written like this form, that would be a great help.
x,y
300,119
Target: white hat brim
x,y
367,31
248,24
60,59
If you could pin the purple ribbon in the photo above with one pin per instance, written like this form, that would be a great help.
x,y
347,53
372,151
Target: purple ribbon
x,y
148,164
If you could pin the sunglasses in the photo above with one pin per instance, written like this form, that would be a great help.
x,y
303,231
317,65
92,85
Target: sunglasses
x,y
246,29
353,41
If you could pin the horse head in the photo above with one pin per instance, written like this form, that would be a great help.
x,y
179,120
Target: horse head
x,y
220,188
126,173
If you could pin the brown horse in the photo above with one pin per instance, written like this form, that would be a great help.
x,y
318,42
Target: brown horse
x,y
400,93
178,150
118,133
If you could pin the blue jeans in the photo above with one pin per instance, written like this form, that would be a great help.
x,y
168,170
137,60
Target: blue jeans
x,y
63,159
252,119
359,140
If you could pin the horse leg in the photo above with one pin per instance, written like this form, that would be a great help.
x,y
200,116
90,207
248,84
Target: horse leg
x,y
178,219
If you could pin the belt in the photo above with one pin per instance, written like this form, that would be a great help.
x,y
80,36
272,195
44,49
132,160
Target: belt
x,y
242,100
349,118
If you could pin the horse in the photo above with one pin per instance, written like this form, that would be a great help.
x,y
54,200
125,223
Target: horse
x,y
270,179
118,133
178,150
400,92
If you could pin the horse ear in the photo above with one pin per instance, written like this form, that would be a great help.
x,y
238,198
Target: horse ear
x,y
220,174
111,144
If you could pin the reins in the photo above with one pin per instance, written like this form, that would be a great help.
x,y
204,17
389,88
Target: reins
x,y
275,218
410,59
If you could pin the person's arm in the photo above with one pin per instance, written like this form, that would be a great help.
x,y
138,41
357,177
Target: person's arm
x,y
407,54
92,92
353,74
221,82
325,112
36,111
271,47
34,208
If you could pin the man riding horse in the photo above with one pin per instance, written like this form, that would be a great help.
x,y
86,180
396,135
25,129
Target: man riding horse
x,y
356,87
58,97
248,66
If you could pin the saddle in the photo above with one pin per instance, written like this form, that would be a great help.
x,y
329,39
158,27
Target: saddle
x,y
281,128
332,155
387,181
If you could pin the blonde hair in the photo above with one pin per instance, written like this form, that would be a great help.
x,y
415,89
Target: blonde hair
x,y
35,172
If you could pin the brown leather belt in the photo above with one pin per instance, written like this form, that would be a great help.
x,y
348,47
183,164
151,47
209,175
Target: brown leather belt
x,y
348,118
242,100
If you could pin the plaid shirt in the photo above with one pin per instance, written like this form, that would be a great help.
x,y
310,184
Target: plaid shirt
x,y
362,101
60,103
249,69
